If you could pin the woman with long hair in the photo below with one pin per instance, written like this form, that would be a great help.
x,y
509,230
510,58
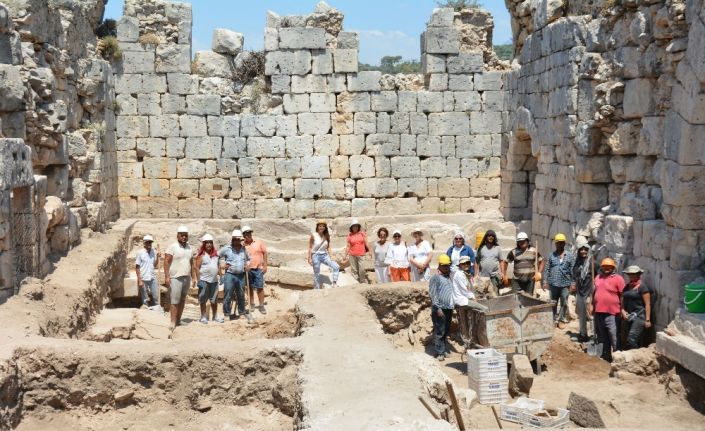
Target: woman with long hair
x,y
379,252
319,253
205,274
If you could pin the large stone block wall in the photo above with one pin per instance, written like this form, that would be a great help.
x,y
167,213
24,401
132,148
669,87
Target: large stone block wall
x,y
316,137
57,145
607,114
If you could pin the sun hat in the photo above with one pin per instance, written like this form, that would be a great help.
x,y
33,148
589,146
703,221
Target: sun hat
x,y
464,259
207,237
148,238
237,234
633,269
522,236
246,229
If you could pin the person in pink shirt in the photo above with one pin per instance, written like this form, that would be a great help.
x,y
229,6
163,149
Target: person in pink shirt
x,y
607,306
356,250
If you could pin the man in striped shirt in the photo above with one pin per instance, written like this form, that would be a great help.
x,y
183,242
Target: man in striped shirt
x,y
557,276
440,289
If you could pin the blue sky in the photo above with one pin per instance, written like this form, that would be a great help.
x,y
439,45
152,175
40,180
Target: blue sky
x,y
386,27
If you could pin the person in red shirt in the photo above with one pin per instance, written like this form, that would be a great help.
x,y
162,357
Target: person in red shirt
x,y
356,250
258,265
607,306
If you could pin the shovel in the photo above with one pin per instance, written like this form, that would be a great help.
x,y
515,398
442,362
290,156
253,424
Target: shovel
x,y
594,348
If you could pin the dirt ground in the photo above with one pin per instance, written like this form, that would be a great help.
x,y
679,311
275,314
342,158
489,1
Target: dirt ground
x,y
639,403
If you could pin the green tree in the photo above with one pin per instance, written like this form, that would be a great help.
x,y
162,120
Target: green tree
x,y
504,52
459,5
388,63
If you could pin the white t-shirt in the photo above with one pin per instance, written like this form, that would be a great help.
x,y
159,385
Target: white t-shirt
x,y
146,263
397,256
181,260
455,256
419,254
462,288
381,253
209,268
320,245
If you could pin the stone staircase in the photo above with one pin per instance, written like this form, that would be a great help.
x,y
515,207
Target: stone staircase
x,y
287,241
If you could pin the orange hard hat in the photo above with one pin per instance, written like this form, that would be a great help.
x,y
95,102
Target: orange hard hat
x,y
608,261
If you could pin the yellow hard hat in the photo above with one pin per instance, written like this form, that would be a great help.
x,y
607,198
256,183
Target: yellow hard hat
x,y
444,259
559,238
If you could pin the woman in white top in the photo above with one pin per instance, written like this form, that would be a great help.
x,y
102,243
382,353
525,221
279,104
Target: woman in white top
x,y
319,253
397,258
420,254
379,252
205,273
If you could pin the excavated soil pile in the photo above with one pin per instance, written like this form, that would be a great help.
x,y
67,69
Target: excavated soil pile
x,y
92,387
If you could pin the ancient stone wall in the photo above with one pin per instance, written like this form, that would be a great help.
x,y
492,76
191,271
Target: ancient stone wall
x,y
57,140
316,137
606,133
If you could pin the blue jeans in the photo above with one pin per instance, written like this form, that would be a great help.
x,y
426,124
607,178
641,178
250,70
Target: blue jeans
x,y
152,287
256,278
233,282
323,258
441,328
634,330
207,292
560,294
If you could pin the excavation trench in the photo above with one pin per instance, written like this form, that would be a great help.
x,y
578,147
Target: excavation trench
x,y
118,388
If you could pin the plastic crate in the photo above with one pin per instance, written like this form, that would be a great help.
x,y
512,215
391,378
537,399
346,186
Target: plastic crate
x,y
558,421
490,391
487,364
516,411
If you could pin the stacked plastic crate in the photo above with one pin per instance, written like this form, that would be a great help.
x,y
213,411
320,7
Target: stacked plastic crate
x,y
487,375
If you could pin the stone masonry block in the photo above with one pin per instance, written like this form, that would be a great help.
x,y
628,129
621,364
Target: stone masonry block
x,y
193,126
332,208
398,206
428,102
296,103
322,102
326,145
316,167
438,40
188,168
128,29
271,208
281,84
433,63
428,146
233,209
203,104
213,188
488,81
442,17
132,126
322,62
128,83
258,125
453,187
288,63
234,148
302,38
182,83
406,167
337,83
348,40
353,102
308,84
137,62
151,147
266,147
159,167
376,187
382,144
385,101
173,104
365,123
183,188
149,104
195,208
457,82
365,81
361,166
164,126
409,187
433,167
314,123
260,187
299,146
352,144
450,123
466,62
307,188
345,60
227,42
202,148
286,125
438,82
288,168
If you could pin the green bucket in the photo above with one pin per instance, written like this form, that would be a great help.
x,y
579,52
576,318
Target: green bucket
x,y
695,298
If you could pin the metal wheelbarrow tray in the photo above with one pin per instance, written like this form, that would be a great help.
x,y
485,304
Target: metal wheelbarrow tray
x,y
514,323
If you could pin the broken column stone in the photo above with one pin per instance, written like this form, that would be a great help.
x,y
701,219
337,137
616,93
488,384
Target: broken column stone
x,y
521,376
584,412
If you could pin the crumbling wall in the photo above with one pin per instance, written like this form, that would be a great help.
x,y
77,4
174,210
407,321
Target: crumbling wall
x,y
56,111
606,110
313,136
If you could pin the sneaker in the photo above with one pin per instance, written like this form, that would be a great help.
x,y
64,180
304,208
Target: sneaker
x,y
262,309
334,285
249,318
441,357
219,319
204,320
234,317
446,354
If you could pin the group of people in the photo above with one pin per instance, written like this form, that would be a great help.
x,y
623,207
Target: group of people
x,y
240,264
621,310
617,306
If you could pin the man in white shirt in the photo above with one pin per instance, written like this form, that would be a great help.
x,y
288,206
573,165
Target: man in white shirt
x,y
178,266
146,261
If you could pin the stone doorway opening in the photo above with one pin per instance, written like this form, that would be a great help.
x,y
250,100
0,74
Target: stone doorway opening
x,y
519,168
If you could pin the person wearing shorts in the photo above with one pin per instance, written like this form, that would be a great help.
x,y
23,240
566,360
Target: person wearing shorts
x,y
258,265
178,267
146,262
205,271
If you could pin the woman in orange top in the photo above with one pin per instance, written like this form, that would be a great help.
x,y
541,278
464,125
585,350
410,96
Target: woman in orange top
x,y
356,250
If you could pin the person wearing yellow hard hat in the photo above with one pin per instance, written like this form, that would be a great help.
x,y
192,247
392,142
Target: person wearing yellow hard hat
x,y
607,306
557,277
440,289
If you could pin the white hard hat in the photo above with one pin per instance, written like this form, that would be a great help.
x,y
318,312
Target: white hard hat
x,y
148,238
246,229
237,233
182,229
581,242
417,229
207,237
396,231
522,236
